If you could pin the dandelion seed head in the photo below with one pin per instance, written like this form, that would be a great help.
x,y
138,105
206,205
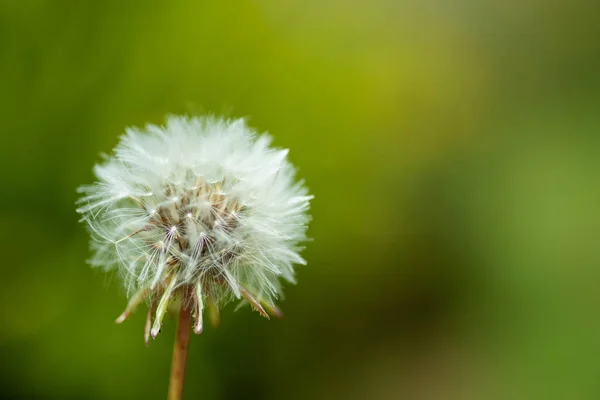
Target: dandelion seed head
x,y
200,202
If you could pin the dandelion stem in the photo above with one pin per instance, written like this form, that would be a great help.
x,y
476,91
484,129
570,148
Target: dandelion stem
x,y
180,353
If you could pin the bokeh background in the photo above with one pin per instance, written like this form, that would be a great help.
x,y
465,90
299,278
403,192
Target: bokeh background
x,y
452,148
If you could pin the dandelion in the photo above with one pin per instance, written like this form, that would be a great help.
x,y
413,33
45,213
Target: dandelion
x,y
199,212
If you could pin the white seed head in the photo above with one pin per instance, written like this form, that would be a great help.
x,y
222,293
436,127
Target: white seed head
x,y
201,203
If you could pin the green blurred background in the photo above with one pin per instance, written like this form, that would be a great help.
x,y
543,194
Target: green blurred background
x,y
452,148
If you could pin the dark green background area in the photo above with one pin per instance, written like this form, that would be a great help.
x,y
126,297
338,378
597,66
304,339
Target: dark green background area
x,y
453,151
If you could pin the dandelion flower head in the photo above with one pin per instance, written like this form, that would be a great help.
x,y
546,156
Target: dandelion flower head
x,y
202,207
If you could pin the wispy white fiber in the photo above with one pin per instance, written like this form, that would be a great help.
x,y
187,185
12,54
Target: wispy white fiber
x,y
203,202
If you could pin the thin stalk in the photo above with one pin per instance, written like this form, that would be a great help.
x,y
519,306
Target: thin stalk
x,y
184,326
